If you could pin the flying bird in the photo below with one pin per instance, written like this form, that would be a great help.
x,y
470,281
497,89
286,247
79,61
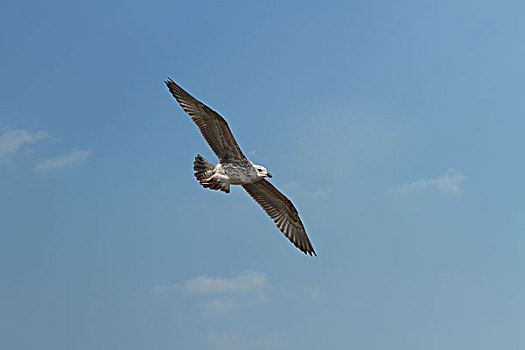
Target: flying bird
x,y
235,169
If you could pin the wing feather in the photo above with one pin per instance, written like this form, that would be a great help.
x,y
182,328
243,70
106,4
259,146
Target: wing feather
x,y
282,212
212,126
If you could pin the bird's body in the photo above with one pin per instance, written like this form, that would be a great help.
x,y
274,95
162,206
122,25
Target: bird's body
x,y
240,173
221,176
235,169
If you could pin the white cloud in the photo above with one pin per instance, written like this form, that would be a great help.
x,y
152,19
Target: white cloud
x,y
228,303
246,281
220,305
11,141
72,158
221,294
451,182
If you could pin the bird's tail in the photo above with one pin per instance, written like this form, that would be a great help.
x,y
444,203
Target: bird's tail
x,y
203,168
204,173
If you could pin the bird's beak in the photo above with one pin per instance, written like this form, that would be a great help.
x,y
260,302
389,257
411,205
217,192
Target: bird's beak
x,y
268,174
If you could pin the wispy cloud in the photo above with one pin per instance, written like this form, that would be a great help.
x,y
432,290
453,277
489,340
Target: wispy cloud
x,y
451,182
72,158
11,141
221,294
220,304
246,281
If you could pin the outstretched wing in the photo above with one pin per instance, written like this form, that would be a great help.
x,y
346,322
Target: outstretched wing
x,y
283,213
211,125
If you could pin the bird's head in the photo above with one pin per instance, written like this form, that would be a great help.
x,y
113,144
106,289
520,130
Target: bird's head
x,y
262,172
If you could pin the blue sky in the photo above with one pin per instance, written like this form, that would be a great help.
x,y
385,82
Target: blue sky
x,y
395,127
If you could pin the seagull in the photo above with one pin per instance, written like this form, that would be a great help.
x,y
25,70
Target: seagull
x,y
235,169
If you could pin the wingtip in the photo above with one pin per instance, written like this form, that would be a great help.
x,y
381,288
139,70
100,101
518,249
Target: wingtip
x,y
308,250
311,253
